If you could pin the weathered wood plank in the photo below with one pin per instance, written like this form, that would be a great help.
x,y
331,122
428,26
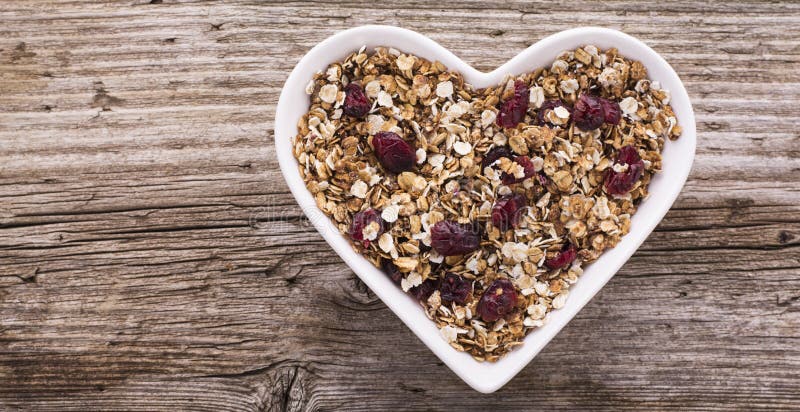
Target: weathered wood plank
x,y
152,258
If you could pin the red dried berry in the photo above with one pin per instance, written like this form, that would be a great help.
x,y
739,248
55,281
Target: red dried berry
x,y
455,288
619,183
508,210
391,270
565,257
527,166
451,238
363,219
628,155
588,113
549,105
512,111
393,152
497,301
425,289
494,154
356,103
611,111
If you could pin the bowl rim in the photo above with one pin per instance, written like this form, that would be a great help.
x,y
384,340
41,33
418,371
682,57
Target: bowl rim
x,y
484,377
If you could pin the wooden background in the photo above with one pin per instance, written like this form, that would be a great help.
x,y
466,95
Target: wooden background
x,y
152,258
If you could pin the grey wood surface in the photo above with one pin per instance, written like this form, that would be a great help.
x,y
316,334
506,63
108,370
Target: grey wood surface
x,y
152,258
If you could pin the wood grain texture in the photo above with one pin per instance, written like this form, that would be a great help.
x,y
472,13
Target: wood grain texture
x,y
152,258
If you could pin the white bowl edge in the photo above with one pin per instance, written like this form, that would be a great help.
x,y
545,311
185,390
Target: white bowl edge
x,y
677,162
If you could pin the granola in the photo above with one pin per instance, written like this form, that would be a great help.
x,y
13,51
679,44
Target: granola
x,y
484,205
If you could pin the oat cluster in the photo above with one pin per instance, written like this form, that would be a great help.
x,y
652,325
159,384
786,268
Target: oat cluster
x,y
484,205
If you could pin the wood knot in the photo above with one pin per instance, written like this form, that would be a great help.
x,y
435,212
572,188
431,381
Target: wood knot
x,y
283,386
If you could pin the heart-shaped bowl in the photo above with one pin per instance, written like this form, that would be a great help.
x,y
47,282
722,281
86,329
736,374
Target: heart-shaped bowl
x,y
664,188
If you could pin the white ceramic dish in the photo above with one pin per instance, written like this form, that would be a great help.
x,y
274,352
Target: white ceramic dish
x,y
677,162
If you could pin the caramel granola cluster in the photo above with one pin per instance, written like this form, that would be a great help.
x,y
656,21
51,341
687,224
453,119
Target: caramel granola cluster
x,y
484,205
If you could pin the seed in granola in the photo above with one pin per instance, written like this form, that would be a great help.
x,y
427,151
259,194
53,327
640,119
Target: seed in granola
x,y
588,113
451,238
497,301
621,182
367,225
549,105
512,112
508,210
611,111
394,154
564,257
455,288
356,103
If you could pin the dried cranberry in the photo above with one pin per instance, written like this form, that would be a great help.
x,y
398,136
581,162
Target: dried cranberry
x,y
391,270
494,154
363,219
356,103
549,105
564,257
513,110
527,166
393,152
451,238
424,290
619,183
588,113
498,300
628,155
507,211
611,111
455,288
